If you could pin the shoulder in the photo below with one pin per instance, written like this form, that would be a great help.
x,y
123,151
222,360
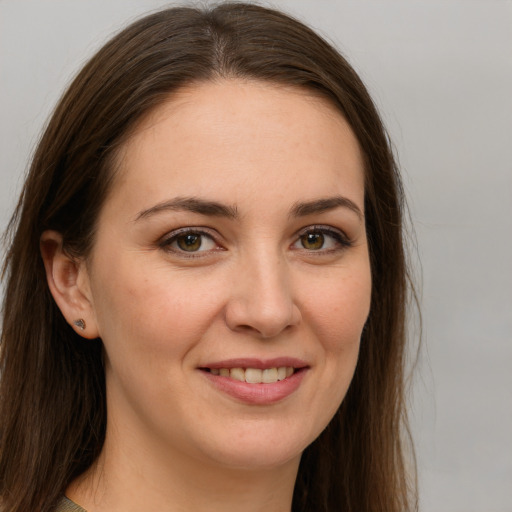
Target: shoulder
x,y
66,505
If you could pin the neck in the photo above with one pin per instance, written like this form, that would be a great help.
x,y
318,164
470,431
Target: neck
x,y
132,480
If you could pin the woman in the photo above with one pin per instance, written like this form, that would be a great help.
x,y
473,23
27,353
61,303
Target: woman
x,y
206,281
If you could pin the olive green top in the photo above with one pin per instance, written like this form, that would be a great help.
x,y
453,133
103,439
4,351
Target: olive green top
x,y
66,505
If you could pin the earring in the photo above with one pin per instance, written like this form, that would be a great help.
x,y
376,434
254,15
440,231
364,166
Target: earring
x,y
80,323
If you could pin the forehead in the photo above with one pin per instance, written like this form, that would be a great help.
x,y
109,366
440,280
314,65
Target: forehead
x,y
236,135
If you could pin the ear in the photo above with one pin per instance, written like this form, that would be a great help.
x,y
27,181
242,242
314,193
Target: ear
x,y
68,281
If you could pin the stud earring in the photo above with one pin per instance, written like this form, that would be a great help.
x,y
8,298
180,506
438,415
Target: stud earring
x,y
80,323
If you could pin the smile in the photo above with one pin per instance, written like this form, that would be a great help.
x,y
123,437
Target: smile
x,y
255,381
255,375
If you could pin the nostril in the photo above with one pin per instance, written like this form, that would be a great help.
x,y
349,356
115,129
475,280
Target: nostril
x,y
262,313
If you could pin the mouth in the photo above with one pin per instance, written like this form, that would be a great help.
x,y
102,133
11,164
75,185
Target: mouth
x,y
254,381
254,375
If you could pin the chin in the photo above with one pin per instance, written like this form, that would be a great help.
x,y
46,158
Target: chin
x,y
259,448
257,458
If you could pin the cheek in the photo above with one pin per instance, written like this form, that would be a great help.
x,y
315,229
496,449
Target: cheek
x,y
152,309
340,312
337,317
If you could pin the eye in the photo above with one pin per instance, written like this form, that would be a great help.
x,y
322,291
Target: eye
x,y
189,241
312,241
321,239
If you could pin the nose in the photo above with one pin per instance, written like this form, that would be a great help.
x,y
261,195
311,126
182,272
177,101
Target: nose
x,y
261,301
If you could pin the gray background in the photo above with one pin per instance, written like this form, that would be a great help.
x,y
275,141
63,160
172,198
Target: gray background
x,y
441,72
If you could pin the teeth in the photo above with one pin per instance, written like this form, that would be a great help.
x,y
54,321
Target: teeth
x,y
255,375
237,374
269,375
281,373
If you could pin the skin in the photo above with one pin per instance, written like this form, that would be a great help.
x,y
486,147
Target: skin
x,y
257,287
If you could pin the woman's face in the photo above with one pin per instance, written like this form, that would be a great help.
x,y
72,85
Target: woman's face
x,y
232,250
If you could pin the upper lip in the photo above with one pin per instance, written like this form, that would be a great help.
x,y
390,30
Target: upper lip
x,y
261,364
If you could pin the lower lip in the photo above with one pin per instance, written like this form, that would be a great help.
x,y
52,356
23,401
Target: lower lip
x,y
257,394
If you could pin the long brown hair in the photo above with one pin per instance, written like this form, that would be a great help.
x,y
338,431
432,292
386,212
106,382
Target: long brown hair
x,y
52,394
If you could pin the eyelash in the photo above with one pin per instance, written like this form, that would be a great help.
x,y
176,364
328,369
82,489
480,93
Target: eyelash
x,y
167,241
341,240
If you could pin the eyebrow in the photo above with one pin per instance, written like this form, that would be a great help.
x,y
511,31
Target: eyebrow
x,y
215,209
302,209
191,204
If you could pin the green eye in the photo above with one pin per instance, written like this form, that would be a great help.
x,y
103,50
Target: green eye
x,y
312,241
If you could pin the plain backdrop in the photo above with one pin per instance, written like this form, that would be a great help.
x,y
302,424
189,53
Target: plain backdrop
x,y
441,73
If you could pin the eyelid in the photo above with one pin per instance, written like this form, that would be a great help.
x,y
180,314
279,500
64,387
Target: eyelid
x,y
341,238
322,228
169,238
339,235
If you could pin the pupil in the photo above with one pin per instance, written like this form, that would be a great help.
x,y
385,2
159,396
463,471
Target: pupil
x,y
313,241
189,242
